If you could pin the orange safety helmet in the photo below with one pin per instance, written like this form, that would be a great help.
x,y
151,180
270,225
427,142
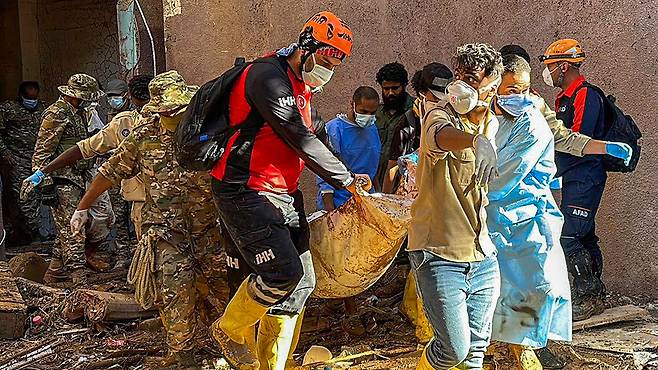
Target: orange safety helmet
x,y
327,34
565,50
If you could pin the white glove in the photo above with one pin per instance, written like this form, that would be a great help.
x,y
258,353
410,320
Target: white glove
x,y
485,160
78,220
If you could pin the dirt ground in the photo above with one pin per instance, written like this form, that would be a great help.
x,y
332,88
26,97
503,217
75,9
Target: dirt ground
x,y
388,342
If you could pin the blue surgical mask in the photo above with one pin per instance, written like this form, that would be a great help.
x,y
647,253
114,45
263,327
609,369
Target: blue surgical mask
x,y
363,120
515,104
30,103
116,102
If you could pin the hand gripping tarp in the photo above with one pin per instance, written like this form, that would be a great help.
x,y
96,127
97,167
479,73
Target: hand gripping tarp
x,y
355,244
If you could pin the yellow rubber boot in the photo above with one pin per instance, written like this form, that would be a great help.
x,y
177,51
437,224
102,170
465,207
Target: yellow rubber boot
x,y
423,363
274,340
291,363
424,331
409,307
231,331
525,358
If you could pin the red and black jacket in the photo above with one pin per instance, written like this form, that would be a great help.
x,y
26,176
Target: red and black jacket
x,y
581,109
270,108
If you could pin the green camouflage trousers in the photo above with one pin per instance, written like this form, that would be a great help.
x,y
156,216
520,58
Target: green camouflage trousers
x,y
191,280
124,244
68,247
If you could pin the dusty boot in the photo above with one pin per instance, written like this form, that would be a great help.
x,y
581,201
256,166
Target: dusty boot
x,y
586,287
186,360
548,359
409,306
55,272
525,358
275,335
231,330
80,276
584,308
424,331
168,361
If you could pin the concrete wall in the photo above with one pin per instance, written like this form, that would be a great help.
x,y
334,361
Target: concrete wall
x,y
77,37
10,44
203,37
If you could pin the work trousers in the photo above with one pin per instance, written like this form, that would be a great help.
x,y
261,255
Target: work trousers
x,y
191,284
270,234
580,202
69,247
459,299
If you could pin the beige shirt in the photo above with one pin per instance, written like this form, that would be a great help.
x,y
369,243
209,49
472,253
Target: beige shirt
x,y
448,216
108,139
566,141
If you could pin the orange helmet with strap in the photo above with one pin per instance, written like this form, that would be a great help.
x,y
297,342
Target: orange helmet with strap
x,y
565,50
325,33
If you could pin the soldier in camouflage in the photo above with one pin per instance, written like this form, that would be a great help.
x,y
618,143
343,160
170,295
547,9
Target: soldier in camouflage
x,y
62,126
19,124
180,235
102,145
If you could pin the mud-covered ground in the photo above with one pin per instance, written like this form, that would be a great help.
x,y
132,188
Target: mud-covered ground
x,y
388,341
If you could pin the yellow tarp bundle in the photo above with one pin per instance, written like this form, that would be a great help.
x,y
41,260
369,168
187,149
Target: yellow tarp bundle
x,y
355,244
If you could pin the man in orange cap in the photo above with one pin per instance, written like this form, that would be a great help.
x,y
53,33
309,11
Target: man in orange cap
x,y
255,187
581,109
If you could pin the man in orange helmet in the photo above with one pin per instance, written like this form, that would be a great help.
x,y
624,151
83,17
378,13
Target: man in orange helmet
x,y
255,187
581,109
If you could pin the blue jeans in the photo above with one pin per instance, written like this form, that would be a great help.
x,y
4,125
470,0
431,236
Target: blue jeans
x,y
459,300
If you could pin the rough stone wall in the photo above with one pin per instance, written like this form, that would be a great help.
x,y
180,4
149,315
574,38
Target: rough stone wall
x,y
204,36
77,36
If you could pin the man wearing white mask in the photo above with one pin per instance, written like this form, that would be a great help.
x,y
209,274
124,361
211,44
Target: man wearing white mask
x,y
355,141
449,246
256,189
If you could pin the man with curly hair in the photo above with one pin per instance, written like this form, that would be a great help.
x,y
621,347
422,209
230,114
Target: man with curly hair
x,y
393,79
449,246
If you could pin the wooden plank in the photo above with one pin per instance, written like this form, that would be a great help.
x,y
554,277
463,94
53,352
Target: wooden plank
x,y
611,316
623,338
13,310
99,306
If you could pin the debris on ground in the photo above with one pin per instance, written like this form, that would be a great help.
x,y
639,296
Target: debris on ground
x,y
29,265
98,306
110,331
13,310
611,316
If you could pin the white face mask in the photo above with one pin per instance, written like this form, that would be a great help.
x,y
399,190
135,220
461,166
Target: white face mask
x,y
464,98
318,76
546,75
363,120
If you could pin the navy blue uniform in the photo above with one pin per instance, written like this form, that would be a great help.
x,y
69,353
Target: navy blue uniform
x,y
581,109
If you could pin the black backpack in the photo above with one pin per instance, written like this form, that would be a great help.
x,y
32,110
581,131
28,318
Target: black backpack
x,y
202,135
619,127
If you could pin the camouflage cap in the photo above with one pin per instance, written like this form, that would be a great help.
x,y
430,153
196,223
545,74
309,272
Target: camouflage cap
x,y
82,86
169,92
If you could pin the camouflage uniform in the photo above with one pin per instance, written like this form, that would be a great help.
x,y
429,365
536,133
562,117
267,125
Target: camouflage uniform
x,y
62,127
179,221
18,135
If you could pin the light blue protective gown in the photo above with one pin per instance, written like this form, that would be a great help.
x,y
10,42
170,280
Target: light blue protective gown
x,y
525,224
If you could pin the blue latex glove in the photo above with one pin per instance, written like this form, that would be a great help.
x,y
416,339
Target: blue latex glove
x,y
36,178
30,183
619,150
